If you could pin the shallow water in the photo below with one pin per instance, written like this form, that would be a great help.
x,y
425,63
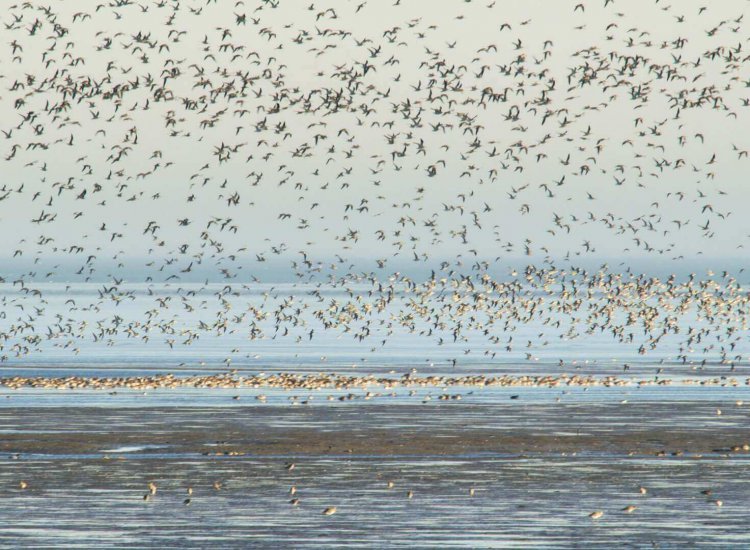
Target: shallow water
x,y
518,396
538,467
538,502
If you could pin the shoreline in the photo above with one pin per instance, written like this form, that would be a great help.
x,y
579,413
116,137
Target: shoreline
x,y
291,381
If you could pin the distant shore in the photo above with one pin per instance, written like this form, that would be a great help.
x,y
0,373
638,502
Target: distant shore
x,y
294,381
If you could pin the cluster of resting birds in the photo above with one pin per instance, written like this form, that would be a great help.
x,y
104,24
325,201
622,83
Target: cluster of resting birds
x,y
452,170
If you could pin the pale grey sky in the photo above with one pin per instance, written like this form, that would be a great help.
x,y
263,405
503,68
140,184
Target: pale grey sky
x,y
487,201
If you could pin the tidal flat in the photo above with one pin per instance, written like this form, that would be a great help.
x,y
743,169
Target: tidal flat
x,y
507,468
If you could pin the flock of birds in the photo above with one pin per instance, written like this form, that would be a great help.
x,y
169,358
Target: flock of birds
x,y
412,158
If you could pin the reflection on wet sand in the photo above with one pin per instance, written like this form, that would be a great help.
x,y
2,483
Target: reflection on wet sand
x,y
479,472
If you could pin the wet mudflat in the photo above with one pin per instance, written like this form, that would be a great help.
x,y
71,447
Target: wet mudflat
x,y
538,468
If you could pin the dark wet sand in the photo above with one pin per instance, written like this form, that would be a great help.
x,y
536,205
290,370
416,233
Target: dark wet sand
x,y
382,430
538,471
